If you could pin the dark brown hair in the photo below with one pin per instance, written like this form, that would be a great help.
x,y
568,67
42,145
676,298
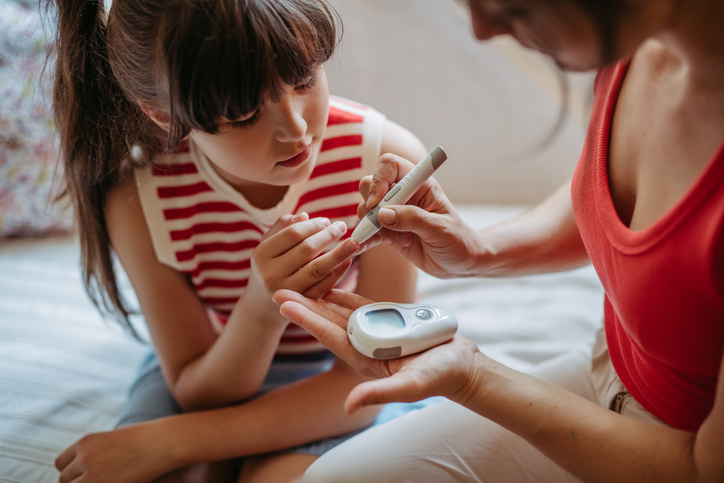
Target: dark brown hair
x,y
195,61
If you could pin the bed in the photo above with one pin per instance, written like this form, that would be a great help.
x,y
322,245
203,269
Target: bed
x,y
64,371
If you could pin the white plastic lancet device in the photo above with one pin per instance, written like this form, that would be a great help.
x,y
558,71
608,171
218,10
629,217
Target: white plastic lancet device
x,y
401,193
387,330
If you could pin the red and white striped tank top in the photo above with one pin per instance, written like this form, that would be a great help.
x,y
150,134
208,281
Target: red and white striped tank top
x,y
201,226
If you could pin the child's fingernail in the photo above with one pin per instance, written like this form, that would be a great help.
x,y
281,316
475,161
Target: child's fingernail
x,y
340,227
298,217
351,245
325,221
386,216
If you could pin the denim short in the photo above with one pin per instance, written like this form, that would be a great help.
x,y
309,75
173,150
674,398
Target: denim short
x,y
149,397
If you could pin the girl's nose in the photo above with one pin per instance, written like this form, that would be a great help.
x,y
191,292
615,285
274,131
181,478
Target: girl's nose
x,y
291,125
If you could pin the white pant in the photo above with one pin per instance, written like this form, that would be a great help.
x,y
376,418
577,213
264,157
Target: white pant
x,y
449,443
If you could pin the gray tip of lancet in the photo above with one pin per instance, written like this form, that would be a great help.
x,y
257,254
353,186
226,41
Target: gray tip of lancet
x,y
438,156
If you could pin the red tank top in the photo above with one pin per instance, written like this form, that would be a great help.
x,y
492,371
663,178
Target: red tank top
x,y
664,285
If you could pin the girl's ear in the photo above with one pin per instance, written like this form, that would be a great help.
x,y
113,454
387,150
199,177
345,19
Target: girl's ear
x,y
161,118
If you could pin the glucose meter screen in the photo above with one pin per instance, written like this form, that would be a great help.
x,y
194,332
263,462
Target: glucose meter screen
x,y
385,320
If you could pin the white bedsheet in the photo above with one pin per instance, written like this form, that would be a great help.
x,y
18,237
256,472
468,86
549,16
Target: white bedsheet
x,y
64,371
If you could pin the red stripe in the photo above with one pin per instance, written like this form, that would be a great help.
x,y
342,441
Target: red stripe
x,y
215,247
173,169
214,228
336,167
338,212
220,301
202,266
327,191
209,207
184,190
341,141
338,116
222,283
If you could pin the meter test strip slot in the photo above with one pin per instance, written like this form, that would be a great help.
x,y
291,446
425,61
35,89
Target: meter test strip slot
x,y
388,330
400,193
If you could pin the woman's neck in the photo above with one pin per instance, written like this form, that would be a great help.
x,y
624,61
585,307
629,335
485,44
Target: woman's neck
x,y
694,42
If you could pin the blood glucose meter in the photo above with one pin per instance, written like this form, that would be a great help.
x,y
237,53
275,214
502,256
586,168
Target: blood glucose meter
x,y
387,330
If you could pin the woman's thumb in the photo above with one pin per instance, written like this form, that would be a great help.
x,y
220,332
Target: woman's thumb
x,y
382,391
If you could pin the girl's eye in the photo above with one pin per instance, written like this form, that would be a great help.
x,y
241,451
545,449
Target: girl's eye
x,y
308,84
246,122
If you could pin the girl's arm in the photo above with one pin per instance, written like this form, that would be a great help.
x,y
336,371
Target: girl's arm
x,y
296,414
203,369
306,411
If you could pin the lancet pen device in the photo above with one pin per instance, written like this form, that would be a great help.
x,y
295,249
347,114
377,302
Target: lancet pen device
x,y
402,191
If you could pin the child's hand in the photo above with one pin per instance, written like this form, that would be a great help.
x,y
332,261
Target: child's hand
x,y
288,258
124,455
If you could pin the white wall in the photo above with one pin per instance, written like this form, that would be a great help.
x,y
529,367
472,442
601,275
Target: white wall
x,y
490,105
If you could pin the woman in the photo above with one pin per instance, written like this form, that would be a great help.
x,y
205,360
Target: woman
x,y
645,206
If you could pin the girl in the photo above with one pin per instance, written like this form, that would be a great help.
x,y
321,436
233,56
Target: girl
x,y
645,206
201,147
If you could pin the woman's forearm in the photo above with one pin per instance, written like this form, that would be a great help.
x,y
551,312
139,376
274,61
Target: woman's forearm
x,y
591,442
544,239
300,413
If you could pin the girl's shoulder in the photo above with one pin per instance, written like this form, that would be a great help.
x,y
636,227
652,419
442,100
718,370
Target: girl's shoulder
x,y
393,138
347,112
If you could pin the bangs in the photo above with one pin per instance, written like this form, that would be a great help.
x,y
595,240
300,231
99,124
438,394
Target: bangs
x,y
226,58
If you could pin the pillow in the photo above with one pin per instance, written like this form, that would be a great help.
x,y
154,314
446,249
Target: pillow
x,y
30,177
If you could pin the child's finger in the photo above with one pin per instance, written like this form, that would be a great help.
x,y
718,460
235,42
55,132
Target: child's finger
x,y
320,267
292,235
65,457
320,288
70,473
283,222
310,248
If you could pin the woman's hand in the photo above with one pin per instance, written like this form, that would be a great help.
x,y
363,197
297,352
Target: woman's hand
x,y
126,455
288,257
445,370
427,230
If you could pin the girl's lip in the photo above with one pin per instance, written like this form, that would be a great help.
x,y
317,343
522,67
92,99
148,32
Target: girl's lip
x,y
297,159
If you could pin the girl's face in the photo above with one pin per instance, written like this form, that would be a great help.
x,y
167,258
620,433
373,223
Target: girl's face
x,y
559,29
278,144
